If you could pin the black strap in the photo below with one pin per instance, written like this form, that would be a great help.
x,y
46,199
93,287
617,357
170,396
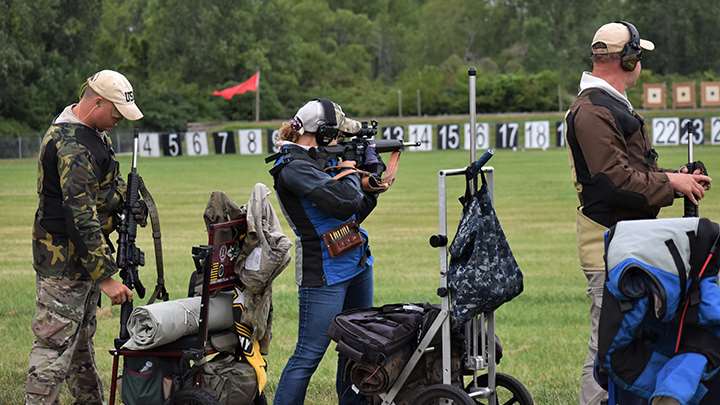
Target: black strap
x,y
160,290
329,111
682,271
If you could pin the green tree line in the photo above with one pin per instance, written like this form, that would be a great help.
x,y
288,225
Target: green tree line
x,y
529,53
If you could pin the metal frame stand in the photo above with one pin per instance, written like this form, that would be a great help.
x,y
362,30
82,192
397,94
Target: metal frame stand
x,y
479,333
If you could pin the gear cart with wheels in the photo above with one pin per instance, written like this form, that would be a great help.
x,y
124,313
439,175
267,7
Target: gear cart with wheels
x,y
179,363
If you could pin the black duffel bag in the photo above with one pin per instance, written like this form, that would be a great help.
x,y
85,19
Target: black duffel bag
x,y
371,335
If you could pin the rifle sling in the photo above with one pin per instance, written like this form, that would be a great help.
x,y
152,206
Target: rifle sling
x,y
160,291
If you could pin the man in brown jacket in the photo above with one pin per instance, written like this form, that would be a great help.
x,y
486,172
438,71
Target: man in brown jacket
x,y
614,167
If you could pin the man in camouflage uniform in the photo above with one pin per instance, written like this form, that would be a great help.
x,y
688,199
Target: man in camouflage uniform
x,y
80,191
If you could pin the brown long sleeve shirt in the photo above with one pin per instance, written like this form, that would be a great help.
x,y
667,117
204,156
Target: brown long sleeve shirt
x,y
613,164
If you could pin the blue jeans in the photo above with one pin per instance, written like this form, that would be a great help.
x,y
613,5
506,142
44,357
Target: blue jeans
x,y
318,307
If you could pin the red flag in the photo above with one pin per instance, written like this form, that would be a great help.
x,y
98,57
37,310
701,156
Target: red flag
x,y
251,84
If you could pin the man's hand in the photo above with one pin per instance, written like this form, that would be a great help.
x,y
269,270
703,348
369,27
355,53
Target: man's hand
x,y
690,185
140,212
699,169
116,291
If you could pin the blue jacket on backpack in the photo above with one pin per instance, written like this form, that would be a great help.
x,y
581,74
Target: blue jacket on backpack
x,y
652,270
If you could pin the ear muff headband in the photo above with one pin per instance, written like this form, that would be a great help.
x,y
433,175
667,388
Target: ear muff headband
x,y
631,51
327,128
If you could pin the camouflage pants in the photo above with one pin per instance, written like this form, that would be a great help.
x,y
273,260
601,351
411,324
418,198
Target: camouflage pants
x,y
64,326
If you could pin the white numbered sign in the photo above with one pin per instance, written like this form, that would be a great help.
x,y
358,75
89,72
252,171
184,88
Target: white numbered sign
x,y
559,135
171,144
396,133
715,130
149,144
250,141
273,136
224,143
422,134
449,136
694,126
537,135
506,135
196,143
482,135
666,131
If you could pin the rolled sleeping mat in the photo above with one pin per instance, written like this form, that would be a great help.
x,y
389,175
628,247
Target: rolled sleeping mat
x,y
161,323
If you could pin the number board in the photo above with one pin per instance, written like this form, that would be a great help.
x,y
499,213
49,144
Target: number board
x,y
224,143
395,133
273,136
506,134
171,144
250,141
149,144
196,143
537,135
715,130
482,135
696,127
422,134
666,131
559,134
448,136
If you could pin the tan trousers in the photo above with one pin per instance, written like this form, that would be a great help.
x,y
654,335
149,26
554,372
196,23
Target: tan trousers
x,y
590,392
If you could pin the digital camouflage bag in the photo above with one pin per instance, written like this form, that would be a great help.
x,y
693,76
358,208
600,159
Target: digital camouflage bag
x,y
483,273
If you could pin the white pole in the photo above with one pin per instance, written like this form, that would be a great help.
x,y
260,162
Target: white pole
x,y
20,147
419,105
472,76
399,103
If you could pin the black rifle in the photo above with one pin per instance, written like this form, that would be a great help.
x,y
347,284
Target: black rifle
x,y
129,256
690,209
355,147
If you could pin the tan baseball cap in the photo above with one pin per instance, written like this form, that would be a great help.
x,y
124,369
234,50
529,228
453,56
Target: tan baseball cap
x,y
116,88
614,36
312,114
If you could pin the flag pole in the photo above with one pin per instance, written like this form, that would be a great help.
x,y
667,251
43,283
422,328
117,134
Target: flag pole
x,y
257,99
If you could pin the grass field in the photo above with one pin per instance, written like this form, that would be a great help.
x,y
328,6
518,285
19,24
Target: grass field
x,y
544,330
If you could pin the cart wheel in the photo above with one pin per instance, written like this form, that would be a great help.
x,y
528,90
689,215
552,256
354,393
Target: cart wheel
x,y
442,394
509,391
193,396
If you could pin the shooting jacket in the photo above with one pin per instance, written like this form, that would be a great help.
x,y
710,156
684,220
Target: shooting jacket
x,y
613,166
79,192
315,203
653,268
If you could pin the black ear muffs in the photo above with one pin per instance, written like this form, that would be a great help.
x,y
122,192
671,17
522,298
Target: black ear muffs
x,y
327,127
631,52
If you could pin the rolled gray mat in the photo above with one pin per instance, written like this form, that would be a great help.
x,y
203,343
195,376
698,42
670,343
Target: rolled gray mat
x,y
165,322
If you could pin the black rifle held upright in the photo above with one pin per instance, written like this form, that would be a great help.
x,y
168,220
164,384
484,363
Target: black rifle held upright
x,y
129,256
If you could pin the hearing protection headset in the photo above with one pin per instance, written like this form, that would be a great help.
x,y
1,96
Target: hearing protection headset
x,y
327,127
631,52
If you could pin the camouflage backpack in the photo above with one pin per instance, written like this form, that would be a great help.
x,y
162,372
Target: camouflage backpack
x,y
483,273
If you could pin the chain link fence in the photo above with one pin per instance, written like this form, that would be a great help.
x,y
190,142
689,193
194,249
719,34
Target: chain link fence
x,y
28,145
